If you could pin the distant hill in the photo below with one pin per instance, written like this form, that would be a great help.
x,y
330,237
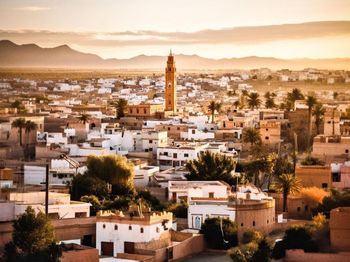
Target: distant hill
x,y
31,55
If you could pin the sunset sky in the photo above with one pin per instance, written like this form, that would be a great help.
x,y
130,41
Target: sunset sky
x,y
215,29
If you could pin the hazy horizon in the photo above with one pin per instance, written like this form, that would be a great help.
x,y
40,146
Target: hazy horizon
x,y
220,29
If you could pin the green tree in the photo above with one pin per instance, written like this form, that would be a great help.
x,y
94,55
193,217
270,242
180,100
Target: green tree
x,y
146,197
263,252
17,104
254,100
287,183
299,237
20,124
219,233
32,239
255,168
29,126
251,135
95,203
318,112
121,107
113,169
311,102
270,100
295,95
237,104
238,256
179,210
84,118
86,185
211,166
334,200
214,106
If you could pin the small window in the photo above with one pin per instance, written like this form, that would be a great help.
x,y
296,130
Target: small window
x,y
346,151
298,209
141,230
241,224
144,111
104,225
115,227
268,221
185,155
193,131
150,141
211,194
175,155
266,138
130,227
168,128
324,185
306,208
267,129
130,111
253,223
157,229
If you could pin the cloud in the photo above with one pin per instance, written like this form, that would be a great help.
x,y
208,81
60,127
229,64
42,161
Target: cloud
x,y
32,8
234,35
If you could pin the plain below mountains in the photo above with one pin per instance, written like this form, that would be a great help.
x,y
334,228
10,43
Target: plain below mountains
x,y
31,55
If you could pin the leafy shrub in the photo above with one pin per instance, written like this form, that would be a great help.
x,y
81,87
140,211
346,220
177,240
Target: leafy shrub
x,y
217,239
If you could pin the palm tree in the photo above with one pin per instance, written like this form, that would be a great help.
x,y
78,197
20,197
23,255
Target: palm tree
x,y
121,107
318,112
254,100
213,106
19,123
236,104
84,118
211,166
28,127
251,135
311,101
287,183
270,100
293,96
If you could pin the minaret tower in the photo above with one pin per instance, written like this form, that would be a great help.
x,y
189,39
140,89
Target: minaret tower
x,y
170,85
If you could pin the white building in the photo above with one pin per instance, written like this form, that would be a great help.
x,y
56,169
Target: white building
x,y
178,155
185,190
60,206
195,134
249,208
144,174
117,231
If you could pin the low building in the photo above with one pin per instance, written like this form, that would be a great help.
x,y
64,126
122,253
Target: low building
x,y
331,148
59,207
253,209
340,229
117,232
270,131
341,175
318,176
144,111
179,154
184,190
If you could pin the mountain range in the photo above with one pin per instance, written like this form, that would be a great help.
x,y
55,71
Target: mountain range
x,y
32,55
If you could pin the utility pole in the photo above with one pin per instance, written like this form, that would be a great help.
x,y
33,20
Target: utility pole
x,y
47,191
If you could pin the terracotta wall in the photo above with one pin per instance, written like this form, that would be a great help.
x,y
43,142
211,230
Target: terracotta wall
x,y
86,255
300,256
314,175
340,229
